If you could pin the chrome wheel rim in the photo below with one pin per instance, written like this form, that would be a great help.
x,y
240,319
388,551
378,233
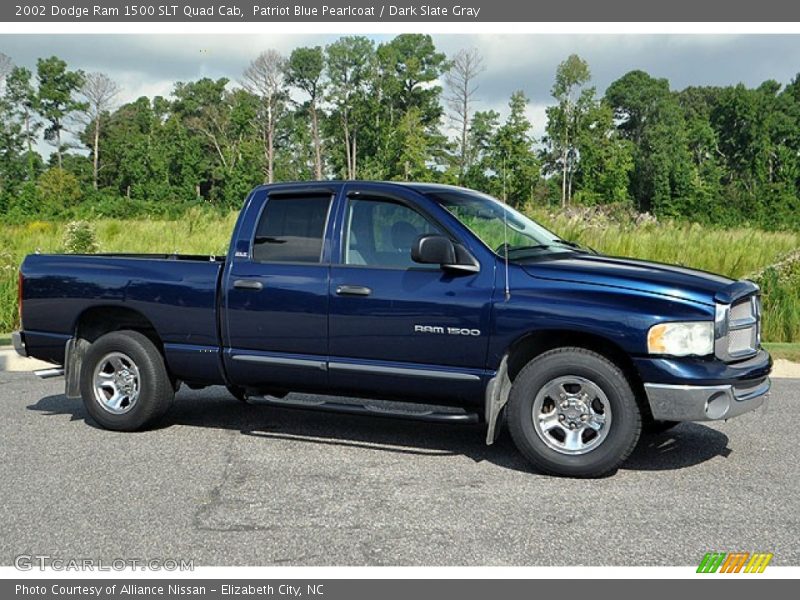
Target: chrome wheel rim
x,y
116,383
571,415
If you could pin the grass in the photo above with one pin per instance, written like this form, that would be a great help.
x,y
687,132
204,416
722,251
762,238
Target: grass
x,y
788,351
738,252
5,339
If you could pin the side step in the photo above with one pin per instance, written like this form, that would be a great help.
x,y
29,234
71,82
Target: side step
x,y
420,414
49,373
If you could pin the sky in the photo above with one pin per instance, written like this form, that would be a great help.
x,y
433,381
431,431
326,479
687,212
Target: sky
x,y
151,64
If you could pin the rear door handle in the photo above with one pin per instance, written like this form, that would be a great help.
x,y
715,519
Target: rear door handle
x,y
353,290
248,284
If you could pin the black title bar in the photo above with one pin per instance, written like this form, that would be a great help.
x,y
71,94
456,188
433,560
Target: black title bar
x,y
243,11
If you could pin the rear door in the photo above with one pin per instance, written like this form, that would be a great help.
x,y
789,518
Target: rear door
x,y
396,326
276,292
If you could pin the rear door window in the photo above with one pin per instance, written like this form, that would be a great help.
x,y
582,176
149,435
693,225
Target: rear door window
x,y
292,229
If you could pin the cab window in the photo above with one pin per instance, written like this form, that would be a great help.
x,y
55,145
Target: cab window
x,y
292,229
380,233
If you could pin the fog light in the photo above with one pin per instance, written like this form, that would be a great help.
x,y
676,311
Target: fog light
x,y
717,406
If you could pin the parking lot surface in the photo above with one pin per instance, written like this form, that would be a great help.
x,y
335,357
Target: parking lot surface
x,y
220,482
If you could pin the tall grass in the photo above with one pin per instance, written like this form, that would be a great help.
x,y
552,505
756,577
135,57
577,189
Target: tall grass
x,y
198,232
736,253
740,252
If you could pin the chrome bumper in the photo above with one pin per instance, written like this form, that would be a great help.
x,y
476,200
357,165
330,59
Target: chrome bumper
x,y
19,343
704,403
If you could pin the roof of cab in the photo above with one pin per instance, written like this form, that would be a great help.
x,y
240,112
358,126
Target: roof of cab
x,y
421,187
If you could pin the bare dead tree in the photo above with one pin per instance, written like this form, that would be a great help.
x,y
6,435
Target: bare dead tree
x,y
466,65
264,77
100,92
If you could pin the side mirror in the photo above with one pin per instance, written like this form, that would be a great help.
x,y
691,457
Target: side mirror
x,y
432,249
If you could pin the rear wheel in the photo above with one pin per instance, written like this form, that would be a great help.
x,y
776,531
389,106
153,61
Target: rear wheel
x,y
572,412
124,382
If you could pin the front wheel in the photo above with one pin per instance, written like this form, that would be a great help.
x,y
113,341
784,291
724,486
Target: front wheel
x,y
572,412
124,382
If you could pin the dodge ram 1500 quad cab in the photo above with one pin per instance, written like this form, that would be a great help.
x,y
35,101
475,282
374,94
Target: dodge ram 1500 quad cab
x,y
418,293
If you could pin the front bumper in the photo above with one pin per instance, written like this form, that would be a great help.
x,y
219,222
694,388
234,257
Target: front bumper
x,y
18,340
705,402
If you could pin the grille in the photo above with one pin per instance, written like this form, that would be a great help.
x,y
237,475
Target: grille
x,y
742,329
741,341
743,310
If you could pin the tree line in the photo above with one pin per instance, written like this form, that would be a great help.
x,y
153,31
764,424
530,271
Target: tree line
x,y
398,110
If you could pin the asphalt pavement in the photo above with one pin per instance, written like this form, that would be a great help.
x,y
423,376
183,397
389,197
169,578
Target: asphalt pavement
x,y
225,483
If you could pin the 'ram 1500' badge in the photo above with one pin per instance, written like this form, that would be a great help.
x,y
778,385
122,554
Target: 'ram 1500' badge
x,y
446,330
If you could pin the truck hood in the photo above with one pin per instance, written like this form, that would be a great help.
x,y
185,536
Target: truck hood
x,y
639,275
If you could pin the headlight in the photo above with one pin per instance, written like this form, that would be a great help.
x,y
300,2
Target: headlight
x,y
681,339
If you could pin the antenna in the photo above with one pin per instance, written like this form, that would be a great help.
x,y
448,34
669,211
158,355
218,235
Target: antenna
x,y
505,229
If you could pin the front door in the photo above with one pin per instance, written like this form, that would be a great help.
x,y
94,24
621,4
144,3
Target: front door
x,y
396,325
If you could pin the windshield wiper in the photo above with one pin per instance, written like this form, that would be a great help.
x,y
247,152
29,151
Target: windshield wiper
x,y
509,249
575,245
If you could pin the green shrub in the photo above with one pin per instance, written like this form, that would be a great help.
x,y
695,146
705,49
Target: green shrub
x,y
58,190
80,238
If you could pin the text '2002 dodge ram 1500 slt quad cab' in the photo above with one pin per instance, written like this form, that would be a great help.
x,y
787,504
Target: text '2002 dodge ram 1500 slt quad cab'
x,y
417,293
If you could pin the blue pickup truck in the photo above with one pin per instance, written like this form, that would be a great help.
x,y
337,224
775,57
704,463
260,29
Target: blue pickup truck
x,y
417,293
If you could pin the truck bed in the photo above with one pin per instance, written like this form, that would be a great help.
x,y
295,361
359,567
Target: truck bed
x,y
176,293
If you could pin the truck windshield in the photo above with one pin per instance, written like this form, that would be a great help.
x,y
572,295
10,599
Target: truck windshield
x,y
499,226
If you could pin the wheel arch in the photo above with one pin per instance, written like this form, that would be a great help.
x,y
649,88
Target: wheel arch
x,y
100,320
529,346
95,322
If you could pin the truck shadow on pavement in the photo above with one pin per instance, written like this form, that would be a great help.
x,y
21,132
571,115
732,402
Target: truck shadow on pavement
x,y
686,445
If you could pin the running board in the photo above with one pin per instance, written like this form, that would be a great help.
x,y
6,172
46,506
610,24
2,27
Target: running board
x,y
371,410
49,373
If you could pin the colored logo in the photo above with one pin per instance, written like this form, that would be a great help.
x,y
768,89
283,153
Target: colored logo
x,y
734,562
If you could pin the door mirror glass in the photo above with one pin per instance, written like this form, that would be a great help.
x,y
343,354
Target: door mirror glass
x,y
433,250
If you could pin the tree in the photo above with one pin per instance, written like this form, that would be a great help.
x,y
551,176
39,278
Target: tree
x,y
100,92
513,158
22,102
413,151
482,132
648,114
410,66
58,190
264,77
6,65
564,119
758,136
56,101
408,71
304,71
350,65
460,81
606,159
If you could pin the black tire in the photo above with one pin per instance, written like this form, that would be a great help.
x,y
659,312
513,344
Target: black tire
x,y
155,389
623,428
653,427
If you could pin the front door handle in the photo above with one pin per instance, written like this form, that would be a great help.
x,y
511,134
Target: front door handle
x,y
248,284
353,290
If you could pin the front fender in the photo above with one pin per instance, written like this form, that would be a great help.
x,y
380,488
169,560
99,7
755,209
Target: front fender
x,y
620,316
